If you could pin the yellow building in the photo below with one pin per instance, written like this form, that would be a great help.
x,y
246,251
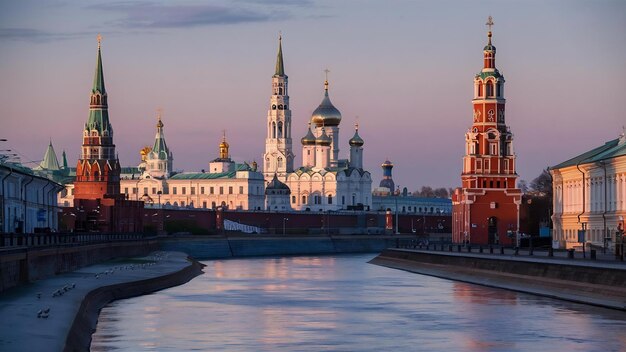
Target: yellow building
x,y
590,194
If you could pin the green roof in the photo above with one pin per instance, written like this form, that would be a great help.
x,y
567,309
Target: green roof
x,y
209,175
611,149
98,78
484,75
50,161
280,69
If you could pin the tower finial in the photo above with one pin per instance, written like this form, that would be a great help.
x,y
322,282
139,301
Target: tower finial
x,y
326,71
223,135
356,124
489,24
99,37
159,113
280,67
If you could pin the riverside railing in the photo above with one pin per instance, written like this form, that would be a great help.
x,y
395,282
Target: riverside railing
x,y
13,240
425,244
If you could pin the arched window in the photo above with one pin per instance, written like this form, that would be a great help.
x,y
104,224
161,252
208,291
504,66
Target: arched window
x,y
303,199
280,91
498,89
280,129
273,129
330,199
489,89
280,162
285,106
480,89
280,106
273,106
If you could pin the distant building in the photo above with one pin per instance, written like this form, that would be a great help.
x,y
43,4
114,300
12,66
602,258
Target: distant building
x,y
486,207
277,195
226,184
589,193
28,202
386,186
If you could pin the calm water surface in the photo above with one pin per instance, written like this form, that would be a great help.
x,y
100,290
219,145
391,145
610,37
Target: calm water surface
x,y
341,303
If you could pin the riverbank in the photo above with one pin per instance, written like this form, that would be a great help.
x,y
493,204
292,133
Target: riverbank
x,y
61,312
597,283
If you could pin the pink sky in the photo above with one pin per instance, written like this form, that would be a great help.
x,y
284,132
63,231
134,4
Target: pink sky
x,y
404,67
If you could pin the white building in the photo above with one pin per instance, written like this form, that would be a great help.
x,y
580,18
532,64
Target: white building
x,y
28,203
277,195
323,182
590,194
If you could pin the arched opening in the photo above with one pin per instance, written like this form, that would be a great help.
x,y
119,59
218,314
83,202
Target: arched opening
x,y
280,91
492,224
280,129
273,129
330,199
490,89
273,106
480,89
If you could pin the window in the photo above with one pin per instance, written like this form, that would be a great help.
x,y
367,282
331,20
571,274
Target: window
x,y
230,190
497,184
280,162
145,190
343,200
193,190
273,106
280,126
174,191
211,190
494,148
490,89
480,89
202,191
240,189
303,199
126,190
184,190
212,205
154,191
490,184
204,205
221,190
293,199
330,199
498,89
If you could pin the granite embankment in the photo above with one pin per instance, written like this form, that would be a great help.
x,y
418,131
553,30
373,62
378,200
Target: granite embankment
x,y
249,246
61,312
597,283
21,265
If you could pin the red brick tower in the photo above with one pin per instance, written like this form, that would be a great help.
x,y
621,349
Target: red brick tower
x,y
98,169
486,207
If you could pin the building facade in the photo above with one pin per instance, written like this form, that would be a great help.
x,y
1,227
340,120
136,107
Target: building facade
x,y
324,182
28,202
486,207
589,193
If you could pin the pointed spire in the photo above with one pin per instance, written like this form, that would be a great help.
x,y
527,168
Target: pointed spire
x,y
160,147
64,159
50,161
98,79
280,68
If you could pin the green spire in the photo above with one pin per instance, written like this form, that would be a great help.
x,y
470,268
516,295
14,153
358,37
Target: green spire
x,y
98,78
64,160
50,161
280,69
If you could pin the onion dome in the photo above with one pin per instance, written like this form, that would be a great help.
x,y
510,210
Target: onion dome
x,y
276,185
326,113
309,139
356,140
323,139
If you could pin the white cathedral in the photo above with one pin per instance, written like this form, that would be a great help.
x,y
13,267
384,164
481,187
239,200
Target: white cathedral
x,y
323,182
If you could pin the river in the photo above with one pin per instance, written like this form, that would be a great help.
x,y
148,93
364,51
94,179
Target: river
x,y
341,303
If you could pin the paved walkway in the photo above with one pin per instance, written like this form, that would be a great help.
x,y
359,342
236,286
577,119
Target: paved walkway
x,y
38,316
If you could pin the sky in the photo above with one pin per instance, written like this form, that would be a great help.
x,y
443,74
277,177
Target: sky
x,y
404,68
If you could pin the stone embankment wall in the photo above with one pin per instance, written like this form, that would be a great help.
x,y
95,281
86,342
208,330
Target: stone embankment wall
x,y
590,282
23,265
215,248
79,337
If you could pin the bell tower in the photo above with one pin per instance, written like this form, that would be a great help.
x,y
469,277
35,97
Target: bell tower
x,y
278,156
486,207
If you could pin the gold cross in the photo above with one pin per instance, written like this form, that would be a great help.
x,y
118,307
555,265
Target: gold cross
x,y
489,22
99,37
159,112
326,71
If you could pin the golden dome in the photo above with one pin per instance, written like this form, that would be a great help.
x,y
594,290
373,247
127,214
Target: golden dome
x,y
326,113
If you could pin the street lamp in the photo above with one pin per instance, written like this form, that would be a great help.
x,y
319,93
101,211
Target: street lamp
x,y
159,194
285,226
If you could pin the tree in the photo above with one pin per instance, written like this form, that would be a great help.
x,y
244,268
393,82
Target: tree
x,y
542,184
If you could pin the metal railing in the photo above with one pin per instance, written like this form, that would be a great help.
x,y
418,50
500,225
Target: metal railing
x,y
16,240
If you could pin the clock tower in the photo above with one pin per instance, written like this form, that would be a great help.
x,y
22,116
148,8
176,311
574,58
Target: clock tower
x,y
486,207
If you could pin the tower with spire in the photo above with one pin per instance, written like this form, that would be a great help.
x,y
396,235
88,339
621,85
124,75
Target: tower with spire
x,y
356,149
98,168
486,207
278,156
159,160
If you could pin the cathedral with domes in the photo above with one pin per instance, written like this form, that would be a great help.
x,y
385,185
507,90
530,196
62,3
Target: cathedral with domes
x,y
324,182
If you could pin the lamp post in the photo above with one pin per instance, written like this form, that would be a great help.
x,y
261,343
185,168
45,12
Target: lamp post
x,y
159,195
285,226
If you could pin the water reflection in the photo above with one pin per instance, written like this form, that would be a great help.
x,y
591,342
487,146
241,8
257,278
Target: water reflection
x,y
341,303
